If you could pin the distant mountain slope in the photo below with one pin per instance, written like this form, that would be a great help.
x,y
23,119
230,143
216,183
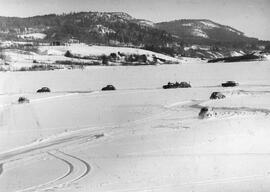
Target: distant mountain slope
x,y
188,37
204,30
89,27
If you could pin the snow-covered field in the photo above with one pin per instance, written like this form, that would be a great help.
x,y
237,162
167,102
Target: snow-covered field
x,y
18,59
85,50
33,36
139,137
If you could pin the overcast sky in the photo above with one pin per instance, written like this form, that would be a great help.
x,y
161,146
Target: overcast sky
x,y
250,16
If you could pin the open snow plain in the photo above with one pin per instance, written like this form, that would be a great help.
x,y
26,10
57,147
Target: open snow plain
x,y
139,137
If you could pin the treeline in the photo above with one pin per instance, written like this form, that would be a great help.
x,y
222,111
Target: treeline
x,y
171,51
247,57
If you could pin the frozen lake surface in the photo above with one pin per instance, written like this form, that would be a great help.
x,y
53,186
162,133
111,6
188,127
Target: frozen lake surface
x,y
139,137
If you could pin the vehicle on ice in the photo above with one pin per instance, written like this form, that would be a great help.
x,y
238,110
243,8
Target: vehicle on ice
x,y
108,88
176,85
43,90
23,100
206,112
217,95
99,135
229,84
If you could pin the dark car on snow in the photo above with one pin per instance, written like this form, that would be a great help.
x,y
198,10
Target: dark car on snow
x,y
176,85
108,88
229,84
23,100
217,95
206,112
43,90
169,86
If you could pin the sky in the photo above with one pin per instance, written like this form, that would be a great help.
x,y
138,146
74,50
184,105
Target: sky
x,y
249,16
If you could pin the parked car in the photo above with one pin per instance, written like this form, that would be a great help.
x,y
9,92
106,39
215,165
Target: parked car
x,y
43,90
108,88
206,112
169,86
99,135
23,100
184,85
217,95
229,84
176,85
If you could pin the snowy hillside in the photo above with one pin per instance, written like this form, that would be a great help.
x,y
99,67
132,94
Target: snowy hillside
x,y
202,28
85,50
83,54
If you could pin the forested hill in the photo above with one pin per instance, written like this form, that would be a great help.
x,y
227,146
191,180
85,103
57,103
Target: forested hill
x,y
121,29
88,27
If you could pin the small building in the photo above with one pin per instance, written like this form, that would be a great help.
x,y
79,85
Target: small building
x,y
73,41
55,43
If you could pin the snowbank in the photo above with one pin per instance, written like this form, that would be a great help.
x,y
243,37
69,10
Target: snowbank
x,y
86,50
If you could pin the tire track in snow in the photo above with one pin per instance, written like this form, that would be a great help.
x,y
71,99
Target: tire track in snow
x,y
46,145
85,133
234,110
87,166
227,180
223,111
70,170
77,169
71,167
127,89
53,97
38,100
244,109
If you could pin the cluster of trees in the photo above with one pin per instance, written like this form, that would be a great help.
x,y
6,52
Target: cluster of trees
x,y
163,49
132,58
136,58
42,67
267,48
247,57
119,57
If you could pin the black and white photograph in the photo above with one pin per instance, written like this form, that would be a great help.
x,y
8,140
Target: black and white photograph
x,y
134,96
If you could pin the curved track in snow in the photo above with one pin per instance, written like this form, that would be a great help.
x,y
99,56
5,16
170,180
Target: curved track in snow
x,y
87,166
76,170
